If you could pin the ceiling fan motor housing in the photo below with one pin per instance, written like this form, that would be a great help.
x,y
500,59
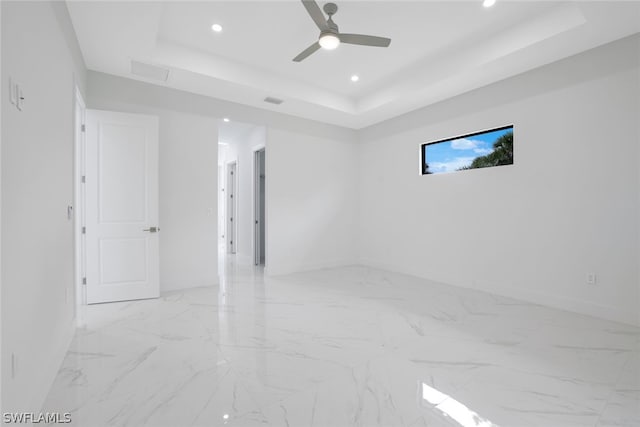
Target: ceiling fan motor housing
x,y
330,9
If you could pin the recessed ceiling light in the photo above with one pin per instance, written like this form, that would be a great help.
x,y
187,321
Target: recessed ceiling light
x,y
488,3
216,27
226,119
355,78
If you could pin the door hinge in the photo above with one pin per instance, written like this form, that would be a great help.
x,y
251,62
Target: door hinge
x,y
84,230
83,179
84,280
83,128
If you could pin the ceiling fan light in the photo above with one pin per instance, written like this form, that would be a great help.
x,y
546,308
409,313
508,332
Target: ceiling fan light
x,y
329,41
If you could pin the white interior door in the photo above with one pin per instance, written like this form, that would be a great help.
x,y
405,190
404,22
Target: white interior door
x,y
121,180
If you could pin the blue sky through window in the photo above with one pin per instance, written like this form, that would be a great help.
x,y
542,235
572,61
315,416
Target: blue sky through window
x,y
453,154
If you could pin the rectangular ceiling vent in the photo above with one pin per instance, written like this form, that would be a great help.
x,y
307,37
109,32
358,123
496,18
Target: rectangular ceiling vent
x,y
272,100
149,71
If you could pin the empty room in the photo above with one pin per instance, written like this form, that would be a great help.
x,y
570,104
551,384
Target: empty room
x,y
320,213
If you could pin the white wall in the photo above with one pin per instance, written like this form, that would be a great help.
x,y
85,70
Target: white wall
x,y
188,202
569,205
40,52
311,202
311,198
1,104
311,172
188,195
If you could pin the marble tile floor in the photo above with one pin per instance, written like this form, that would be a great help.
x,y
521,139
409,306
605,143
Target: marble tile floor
x,y
345,347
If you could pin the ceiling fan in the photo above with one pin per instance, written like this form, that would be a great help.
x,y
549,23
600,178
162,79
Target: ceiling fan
x,y
330,36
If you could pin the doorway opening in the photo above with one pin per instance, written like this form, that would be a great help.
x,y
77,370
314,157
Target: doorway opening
x,y
242,195
259,204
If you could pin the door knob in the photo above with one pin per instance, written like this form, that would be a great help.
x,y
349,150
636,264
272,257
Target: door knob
x,y
152,229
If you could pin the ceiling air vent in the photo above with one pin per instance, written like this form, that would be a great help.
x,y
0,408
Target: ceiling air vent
x,y
149,71
272,100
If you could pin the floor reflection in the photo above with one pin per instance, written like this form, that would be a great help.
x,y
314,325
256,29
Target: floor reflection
x,y
453,409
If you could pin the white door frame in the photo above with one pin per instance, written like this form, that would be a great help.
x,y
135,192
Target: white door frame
x,y
231,196
79,200
254,202
222,204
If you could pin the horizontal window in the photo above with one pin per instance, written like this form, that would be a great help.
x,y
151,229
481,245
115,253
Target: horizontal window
x,y
483,149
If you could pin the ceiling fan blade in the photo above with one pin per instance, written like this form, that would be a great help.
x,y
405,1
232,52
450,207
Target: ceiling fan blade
x,y
316,14
365,40
308,51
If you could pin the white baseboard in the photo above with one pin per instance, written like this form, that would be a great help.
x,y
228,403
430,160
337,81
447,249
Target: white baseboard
x,y
574,305
290,268
180,286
